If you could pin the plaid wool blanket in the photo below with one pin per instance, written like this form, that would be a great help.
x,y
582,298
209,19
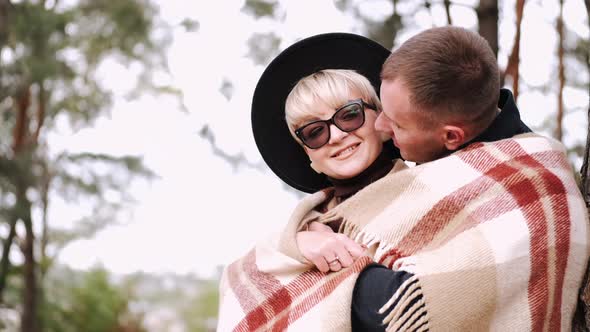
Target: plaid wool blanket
x,y
496,236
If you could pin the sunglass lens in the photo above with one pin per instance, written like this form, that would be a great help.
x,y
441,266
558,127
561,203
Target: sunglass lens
x,y
315,135
350,117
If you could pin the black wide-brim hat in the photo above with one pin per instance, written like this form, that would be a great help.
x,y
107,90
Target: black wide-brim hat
x,y
283,155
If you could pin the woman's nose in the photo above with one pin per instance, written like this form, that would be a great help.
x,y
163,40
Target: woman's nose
x,y
336,134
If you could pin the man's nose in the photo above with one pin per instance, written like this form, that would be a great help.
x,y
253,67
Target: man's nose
x,y
381,124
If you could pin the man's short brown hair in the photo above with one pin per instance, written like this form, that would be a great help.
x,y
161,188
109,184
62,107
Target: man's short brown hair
x,y
449,70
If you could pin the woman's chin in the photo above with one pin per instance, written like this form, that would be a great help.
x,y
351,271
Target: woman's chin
x,y
343,174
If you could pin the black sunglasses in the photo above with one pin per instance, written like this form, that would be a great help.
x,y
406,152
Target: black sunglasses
x,y
349,117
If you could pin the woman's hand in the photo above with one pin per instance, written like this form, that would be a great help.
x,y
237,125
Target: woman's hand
x,y
327,250
319,227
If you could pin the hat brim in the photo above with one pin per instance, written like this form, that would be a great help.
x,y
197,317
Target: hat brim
x,y
283,155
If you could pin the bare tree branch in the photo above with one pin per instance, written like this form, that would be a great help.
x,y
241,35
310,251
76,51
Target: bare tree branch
x,y
512,68
234,160
42,100
447,4
45,185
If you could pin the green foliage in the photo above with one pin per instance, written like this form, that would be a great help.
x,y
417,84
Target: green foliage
x,y
190,25
88,302
105,26
61,51
51,56
260,8
263,47
201,313
385,32
342,4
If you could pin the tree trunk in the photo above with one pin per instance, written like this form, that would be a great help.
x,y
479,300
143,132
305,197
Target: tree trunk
x,y
581,322
4,9
45,184
447,4
20,132
386,32
585,170
512,67
29,314
487,16
42,104
561,74
5,262
20,142
582,316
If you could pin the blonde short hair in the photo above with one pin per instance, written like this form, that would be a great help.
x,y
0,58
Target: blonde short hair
x,y
332,87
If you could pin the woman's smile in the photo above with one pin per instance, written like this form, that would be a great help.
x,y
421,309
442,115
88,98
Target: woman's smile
x,y
346,152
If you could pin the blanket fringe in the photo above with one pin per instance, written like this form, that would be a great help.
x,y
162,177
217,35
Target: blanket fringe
x,y
353,231
412,281
411,320
404,317
420,324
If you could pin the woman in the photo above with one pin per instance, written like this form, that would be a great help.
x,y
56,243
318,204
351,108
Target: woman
x,y
313,116
311,81
332,114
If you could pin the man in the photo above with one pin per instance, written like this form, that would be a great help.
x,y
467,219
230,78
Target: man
x,y
487,232
440,93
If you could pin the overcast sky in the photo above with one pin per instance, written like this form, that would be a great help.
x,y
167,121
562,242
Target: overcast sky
x,y
201,212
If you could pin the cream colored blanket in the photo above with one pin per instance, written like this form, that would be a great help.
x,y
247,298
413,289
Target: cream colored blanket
x,y
496,236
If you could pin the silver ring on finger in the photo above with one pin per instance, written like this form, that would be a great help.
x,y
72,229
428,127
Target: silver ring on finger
x,y
335,260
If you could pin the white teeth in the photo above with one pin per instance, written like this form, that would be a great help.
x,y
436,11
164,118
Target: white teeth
x,y
346,150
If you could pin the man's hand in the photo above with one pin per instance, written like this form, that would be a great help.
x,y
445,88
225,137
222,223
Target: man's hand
x,y
327,250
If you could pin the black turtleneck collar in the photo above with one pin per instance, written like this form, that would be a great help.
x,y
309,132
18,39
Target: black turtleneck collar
x,y
506,124
344,188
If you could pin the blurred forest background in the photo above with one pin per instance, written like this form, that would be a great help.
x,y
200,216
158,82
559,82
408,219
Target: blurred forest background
x,y
53,79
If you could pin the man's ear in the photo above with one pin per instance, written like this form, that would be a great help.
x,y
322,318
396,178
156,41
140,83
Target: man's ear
x,y
453,137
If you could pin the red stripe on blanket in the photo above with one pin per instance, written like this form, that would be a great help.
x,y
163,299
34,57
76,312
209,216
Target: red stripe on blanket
x,y
440,215
322,292
526,194
296,288
265,283
500,205
557,193
268,285
390,257
538,289
245,297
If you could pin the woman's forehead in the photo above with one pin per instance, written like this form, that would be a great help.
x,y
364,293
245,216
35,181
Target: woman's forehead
x,y
324,108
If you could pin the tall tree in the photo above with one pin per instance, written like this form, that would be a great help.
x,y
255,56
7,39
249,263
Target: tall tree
x,y
561,72
49,71
384,30
512,67
582,315
447,4
487,17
